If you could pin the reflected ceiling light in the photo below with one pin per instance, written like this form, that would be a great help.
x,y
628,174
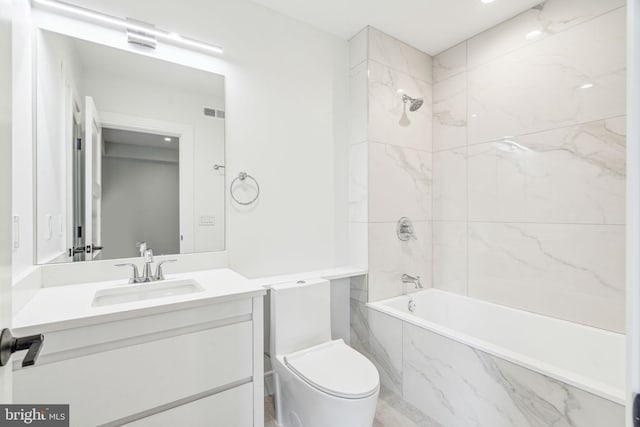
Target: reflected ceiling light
x,y
166,138
487,1
586,86
88,14
531,35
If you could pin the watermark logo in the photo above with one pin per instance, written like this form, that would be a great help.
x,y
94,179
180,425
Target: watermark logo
x,y
34,415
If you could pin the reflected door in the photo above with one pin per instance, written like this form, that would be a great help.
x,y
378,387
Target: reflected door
x,y
93,180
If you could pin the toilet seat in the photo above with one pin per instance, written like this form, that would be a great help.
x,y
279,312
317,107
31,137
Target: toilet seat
x,y
336,369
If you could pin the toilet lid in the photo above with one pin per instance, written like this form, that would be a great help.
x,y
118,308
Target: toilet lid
x,y
336,369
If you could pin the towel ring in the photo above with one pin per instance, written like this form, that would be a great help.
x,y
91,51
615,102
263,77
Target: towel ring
x,y
242,176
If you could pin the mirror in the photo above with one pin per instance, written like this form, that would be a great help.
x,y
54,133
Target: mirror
x,y
130,154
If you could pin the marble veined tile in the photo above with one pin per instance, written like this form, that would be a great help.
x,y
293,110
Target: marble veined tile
x,y
450,62
358,244
567,175
567,271
548,18
358,288
450,185
386,86
393,411
450,256
450,113
459,386
400,183
358,104
358,191
398,55
358,49
389,258
542,86
385,347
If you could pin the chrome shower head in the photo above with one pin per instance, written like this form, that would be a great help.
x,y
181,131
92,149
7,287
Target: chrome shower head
x,y
415,103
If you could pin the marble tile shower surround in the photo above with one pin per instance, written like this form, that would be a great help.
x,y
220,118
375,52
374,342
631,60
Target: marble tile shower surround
x,y
390,164
529,168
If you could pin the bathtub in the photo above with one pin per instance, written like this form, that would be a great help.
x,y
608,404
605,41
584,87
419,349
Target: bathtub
x,y
452,329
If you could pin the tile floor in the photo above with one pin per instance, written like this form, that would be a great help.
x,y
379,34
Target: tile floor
x,y
392,411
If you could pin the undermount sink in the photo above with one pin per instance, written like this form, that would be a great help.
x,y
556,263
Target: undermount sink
x,y
145,291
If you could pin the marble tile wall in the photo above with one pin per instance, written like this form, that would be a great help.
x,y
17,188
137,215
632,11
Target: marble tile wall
x,y
460,386
390,163
453,384
529,163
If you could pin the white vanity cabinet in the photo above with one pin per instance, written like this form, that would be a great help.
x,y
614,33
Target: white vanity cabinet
x,y
199,366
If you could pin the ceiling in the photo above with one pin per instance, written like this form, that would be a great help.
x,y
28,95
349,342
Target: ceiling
x,y
118,136
429,25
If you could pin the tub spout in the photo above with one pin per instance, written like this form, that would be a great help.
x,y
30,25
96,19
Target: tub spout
x,y
410,279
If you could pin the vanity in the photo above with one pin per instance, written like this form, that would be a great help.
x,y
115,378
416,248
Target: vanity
x,y
122,355
129,166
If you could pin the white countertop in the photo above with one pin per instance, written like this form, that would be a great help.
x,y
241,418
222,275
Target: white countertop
x,y
328,274
62,307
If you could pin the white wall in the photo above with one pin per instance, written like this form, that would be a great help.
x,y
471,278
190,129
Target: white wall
x,y
139,204
22,138
287,91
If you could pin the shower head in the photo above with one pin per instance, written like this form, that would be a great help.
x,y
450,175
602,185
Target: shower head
x,y
415,103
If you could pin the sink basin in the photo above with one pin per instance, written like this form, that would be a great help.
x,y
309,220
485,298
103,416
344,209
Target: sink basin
x,y
145,291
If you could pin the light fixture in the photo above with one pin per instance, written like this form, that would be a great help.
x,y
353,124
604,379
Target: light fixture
x,y
532,35
487,1
150,32
140,39
167,139
586,86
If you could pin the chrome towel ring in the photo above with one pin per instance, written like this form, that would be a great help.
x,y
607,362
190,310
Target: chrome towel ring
x,y
241,177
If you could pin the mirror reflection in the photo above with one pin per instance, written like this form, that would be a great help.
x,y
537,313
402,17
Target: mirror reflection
x,y
126,149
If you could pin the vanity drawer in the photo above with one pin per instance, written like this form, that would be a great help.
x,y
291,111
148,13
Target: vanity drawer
x,y
114,384
72,342
231,408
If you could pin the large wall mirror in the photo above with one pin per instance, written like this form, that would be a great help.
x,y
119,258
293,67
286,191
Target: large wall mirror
x,y
130,154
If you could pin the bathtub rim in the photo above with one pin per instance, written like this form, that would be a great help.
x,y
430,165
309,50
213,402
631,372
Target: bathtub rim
x,y
586,384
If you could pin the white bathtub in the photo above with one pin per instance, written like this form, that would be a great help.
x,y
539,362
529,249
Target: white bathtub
x,y
588,358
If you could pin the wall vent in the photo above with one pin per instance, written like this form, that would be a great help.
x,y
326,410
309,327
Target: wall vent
x,y
212,112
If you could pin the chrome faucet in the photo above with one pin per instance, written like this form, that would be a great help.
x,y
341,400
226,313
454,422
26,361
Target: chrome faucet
x,y
147,276
410,279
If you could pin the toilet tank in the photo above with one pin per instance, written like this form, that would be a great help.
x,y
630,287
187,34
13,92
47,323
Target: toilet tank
x,y
300,315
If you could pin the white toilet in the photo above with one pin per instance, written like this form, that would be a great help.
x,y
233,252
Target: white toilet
x,y
319,382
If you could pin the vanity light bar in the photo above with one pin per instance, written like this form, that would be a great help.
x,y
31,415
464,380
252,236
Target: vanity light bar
x,y
170,37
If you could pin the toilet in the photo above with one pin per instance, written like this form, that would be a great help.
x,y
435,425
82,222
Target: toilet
x,y
319,382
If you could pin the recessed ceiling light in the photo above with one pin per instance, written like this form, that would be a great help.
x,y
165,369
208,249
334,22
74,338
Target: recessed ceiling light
x,y
586,86
487,1
166,138
531,35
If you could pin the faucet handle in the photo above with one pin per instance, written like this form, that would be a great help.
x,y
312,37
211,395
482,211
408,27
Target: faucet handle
x,y
159,272
136,275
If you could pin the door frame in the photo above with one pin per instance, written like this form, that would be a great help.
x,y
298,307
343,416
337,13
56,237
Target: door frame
x,y
6,223
186,159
